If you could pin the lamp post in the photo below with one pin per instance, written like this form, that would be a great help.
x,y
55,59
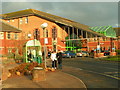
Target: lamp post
x,y
43,26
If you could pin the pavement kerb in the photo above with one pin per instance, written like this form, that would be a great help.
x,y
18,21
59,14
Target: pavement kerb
x,y
76,78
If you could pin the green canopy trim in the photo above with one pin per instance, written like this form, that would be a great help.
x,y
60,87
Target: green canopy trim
x,y
108,31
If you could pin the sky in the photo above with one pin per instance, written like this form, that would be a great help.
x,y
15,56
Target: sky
x,y
91,13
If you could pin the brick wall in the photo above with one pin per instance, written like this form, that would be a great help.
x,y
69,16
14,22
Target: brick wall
x,y
28,28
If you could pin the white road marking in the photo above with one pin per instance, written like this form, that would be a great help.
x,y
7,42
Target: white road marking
x,y
105,75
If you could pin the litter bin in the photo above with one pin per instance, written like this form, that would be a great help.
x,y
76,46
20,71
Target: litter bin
x,y
38,74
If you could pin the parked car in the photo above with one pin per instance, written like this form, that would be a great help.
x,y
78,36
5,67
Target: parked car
x,y
106,52
68,54
82,53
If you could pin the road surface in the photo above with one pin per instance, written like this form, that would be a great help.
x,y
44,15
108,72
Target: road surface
x,y
94,73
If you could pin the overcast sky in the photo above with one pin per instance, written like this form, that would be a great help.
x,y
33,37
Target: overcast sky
x,y
88,13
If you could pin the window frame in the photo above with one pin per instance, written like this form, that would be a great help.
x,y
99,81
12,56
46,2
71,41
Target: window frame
x,y
1,35
8,35
8,20
26,20
15,35
9,50
54,33
13,20
21,21
47,33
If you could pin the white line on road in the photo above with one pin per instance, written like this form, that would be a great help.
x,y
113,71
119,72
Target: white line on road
x,y
105,75
97,73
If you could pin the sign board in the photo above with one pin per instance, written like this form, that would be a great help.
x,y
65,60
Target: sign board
x,y
46,40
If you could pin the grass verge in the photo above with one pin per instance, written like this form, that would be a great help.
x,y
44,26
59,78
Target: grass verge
x,y
113,58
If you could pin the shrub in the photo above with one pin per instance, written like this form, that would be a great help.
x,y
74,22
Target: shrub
x,y
2,55
118,51
18,57
10,55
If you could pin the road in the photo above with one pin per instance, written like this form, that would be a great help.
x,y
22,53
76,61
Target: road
x,y
94,73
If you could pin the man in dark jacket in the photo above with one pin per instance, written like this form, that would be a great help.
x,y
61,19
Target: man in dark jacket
x,y
59,57
30,56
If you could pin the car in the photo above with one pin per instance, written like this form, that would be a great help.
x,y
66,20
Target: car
x,y
68,54
82,53
106,52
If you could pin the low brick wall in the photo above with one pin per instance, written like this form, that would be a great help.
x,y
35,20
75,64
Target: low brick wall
x,y
5,66
5,74
100,54
113,53
38,75
96,55
3,58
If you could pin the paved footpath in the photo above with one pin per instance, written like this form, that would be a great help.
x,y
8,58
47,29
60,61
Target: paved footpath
x,y
55,79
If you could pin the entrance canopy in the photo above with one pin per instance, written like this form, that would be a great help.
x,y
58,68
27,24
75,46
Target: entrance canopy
x,y
34,47
33,43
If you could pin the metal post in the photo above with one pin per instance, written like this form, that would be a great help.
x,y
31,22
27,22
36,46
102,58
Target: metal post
x,y
44,46
86,35
81,33
111,41
73,37
77,33
43,26
73,32
87,45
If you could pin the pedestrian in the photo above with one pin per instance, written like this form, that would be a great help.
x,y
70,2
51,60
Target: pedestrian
x,y
59,58
54,60
49,54
30,56
43,55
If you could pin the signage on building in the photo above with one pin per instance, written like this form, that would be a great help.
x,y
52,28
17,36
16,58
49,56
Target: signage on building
x,y
46,40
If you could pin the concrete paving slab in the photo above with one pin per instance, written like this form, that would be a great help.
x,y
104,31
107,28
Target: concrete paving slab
x,y
55,79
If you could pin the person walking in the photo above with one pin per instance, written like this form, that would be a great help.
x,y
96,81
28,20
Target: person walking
x,y
49,54
54,60
59,57
30,57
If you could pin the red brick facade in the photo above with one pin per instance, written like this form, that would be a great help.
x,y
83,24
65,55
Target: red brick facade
x,y
34,22
29,23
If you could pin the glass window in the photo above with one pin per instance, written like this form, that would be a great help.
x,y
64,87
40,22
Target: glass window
x,y
8,35
1,35
20,20
46,33
16,36
37,34
9,50
26,20
13,20
8,21
54,33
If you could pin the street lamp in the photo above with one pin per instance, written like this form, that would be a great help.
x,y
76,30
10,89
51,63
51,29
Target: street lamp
x,y
43,26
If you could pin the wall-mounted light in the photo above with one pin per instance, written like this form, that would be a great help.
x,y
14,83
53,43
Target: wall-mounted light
x,y
29,35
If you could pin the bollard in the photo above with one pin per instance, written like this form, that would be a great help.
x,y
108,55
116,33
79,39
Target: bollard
x,y
83,56
38,74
